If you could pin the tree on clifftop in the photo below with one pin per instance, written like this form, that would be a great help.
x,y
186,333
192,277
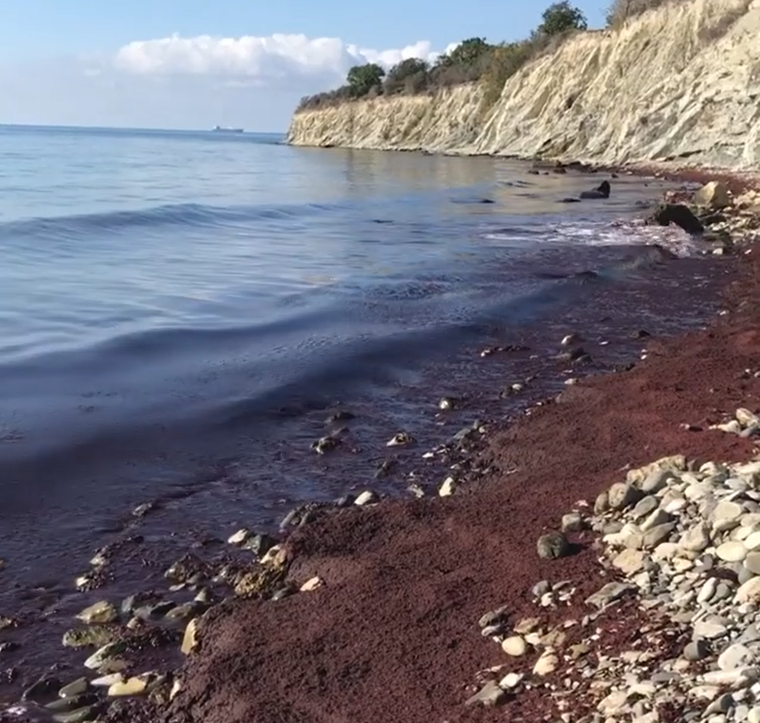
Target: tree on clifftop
x,y
560,18
362,79
409,75
467,53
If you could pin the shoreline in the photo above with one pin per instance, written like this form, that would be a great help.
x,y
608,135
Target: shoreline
x,y
319,547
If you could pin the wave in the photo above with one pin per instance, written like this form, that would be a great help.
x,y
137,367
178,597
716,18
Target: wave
x,y
182,214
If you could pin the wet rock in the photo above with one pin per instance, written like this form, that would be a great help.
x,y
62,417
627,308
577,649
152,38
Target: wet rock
x,y
81,715
552,546
713,195
42,690
259,544
136,685
679,215
95,636
326,444
365,498
103,655
402,438
75,688
190,638
312,584
143,509
239,537
448,487
100,612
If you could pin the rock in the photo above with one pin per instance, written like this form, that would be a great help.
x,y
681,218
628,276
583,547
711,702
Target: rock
x,y
610,593
679,215
541,588
572,522
106,681
312,584
489,696
644,507
100,612
736,656
510,681
658,534
734,678
748,592
731,551
754,715
365,498
655,481
103,655
447,488
752,562
752,541
239,537
696,539
515,646
75,688
602,503
709,630
727,511
708,590
81,715
527,625
713,196
622,495
95,636
629,562
190,638
132,686
720,705
696,650
657,518
546,664
552,545
493,617
402,438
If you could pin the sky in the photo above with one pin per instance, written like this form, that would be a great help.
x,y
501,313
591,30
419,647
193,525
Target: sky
x,y
193,64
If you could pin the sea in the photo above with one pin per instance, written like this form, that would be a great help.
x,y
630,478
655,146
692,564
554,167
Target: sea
x,y
181,312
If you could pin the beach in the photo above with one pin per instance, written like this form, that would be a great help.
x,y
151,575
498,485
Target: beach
x,y
370,611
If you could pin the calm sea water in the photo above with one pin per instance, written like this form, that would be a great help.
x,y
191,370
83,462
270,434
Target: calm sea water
x,y
166,295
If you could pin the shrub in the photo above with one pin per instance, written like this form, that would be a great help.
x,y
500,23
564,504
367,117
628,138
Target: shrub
x,y
408,76
622,10
561,17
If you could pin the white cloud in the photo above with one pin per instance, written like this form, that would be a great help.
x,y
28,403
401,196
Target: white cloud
x,y
198,82
273,59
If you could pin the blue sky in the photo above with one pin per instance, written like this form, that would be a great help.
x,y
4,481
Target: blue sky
x,y
195,63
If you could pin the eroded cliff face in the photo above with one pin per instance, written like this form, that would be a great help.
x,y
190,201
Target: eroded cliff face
x,y
679,84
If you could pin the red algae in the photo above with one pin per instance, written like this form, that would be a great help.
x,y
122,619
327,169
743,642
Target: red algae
x,y
393,636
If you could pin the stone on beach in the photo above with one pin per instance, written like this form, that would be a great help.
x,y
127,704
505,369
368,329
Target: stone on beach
x,y
552,545
515,646
100,612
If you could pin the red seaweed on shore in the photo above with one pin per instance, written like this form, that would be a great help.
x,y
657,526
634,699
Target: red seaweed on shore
x,y
393,634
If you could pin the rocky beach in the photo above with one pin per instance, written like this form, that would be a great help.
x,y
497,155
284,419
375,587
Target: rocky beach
x,y
582,546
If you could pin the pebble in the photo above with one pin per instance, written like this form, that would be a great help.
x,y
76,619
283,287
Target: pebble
x,y
696,539
552,545
105,654
75,688
735,656
447,488
100,612
572,522
511,680
190,638
629,561
132,686
622,495
365,498
611,592
696,650
489,696
731,551
546,664
515,646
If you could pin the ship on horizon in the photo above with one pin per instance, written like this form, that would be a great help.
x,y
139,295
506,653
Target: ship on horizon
x,y
221,129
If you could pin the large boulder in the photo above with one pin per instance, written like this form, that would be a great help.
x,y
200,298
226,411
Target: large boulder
x,y
713,196
677,214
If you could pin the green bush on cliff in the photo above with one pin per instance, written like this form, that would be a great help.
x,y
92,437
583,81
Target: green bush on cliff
x,y
622,10
472,60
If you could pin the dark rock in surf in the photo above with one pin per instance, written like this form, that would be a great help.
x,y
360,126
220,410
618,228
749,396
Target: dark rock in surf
x,y
602,191
678,214
570,200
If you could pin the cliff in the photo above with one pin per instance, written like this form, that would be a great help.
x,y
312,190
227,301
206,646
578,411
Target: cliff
x,y
681,83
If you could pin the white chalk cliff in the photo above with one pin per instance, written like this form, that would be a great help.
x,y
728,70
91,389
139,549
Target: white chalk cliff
x,y
678,84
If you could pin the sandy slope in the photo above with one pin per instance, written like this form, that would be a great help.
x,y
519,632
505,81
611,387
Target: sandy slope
x,y
679,84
